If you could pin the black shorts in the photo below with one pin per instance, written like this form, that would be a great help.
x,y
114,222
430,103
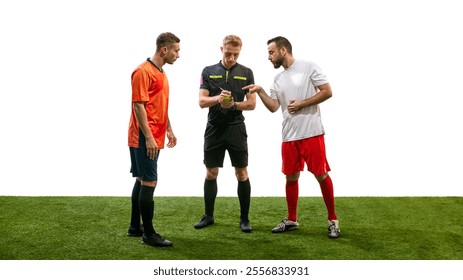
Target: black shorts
x,y
232,138
143,167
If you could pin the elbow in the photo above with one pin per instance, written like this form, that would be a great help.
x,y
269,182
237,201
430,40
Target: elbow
x,y
273,109
329,95
202,104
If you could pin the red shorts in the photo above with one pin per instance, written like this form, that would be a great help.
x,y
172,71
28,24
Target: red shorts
x,y
310,151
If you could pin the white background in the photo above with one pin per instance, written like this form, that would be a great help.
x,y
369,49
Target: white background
x,y
393,123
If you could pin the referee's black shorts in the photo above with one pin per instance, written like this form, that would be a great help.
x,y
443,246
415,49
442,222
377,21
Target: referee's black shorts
x,y
232,138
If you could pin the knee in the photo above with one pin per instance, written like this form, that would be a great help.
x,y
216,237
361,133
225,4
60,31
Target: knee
x,y
241,174
321,178
212,173
149,183
293,177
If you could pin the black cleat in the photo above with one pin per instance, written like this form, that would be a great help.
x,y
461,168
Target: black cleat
x,y
135,231
156,240
205,221
245,226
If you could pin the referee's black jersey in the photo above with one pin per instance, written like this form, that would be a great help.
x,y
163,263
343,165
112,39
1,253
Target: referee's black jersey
x,y
217,76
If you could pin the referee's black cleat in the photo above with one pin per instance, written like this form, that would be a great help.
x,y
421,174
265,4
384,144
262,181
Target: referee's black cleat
x,y
135,231
245,226
206,220
156,240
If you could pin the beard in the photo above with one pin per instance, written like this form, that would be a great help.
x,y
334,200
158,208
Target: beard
x,y
277,63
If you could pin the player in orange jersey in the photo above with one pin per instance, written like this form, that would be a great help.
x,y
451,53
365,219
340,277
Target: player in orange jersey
x,y
148,128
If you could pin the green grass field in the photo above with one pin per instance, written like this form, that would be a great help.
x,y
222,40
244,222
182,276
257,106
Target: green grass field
x,y
94,228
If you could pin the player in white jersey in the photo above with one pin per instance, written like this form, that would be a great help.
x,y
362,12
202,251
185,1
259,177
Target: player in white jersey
x,y
298,90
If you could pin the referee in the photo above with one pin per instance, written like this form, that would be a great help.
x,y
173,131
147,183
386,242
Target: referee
x,y
221,91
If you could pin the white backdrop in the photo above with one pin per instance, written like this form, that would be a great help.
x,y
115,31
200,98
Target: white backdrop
x,y
393,124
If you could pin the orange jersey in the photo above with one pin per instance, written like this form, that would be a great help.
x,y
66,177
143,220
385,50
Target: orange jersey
x,y
150,86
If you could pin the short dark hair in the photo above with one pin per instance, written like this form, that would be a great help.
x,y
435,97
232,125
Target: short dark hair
x,y
166,39
281,42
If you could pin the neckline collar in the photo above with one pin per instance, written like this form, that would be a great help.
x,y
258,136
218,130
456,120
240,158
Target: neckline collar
x,y
152,63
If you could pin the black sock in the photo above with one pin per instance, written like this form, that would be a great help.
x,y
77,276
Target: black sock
x,y
244,196
210,193
147,208
135,215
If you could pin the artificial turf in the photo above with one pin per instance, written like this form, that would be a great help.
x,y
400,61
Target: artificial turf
x,y
95,228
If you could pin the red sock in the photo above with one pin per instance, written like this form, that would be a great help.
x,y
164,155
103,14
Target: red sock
x,y
327,191
292,195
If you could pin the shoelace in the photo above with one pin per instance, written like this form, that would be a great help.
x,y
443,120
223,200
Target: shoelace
x,y
282,224
332,227
159,236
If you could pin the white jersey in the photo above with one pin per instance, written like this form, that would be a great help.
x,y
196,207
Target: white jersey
x,y
299,82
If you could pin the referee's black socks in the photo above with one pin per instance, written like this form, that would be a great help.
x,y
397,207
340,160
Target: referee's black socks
x,y
244,196
210,193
